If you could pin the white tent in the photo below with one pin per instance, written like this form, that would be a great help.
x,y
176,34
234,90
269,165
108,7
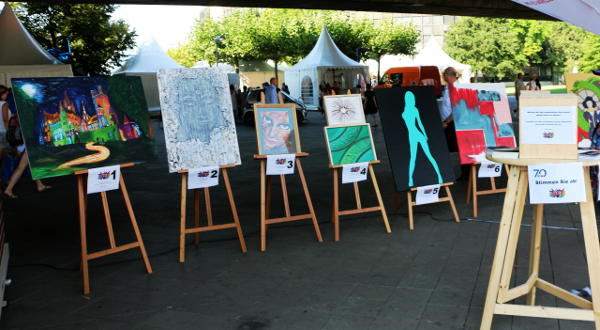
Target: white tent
x,y
149,58
21,56
324,64
432,54
390,61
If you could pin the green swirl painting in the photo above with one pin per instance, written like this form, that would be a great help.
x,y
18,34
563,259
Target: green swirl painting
x,y
350,144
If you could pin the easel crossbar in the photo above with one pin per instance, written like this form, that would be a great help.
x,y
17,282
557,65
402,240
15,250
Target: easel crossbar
x,y
288,219
545,312
210,228
114,250
361,210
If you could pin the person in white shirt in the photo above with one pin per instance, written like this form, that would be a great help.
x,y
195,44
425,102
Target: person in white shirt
x,y
450,76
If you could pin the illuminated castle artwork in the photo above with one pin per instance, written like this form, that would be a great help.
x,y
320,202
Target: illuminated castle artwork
x,y
74,123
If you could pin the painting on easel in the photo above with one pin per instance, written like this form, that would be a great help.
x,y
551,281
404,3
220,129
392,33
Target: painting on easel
x,y
197,118
587,88
413,133
72,124
349,144
344,109
482,119
276,129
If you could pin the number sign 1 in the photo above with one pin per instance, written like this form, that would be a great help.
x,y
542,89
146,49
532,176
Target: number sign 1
x,y
281,164
103,179
203,177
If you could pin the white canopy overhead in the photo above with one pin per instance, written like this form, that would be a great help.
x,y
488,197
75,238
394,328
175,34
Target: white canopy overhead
x,y
432,54
324,63
149,58
18,46
582,13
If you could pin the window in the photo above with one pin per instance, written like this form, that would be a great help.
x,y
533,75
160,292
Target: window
x,y
306,90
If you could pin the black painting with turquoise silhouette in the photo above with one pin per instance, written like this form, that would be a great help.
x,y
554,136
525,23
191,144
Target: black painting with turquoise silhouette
x,y
76,123
414,136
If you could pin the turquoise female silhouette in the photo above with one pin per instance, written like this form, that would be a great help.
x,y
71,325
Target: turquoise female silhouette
x,y
416,137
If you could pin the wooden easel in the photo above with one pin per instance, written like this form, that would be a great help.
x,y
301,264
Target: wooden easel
x,y
335,207
265,201
411,203
197,229
472,191
85,256
499,292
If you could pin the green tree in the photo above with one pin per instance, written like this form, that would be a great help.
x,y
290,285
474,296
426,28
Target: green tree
x,y
389,38
97,42
590,59
491,46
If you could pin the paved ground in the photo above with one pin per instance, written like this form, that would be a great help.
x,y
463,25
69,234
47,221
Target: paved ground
x,y
432,278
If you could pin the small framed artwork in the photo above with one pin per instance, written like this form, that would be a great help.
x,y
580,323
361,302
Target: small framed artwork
x,y
350,144
276,129
344,109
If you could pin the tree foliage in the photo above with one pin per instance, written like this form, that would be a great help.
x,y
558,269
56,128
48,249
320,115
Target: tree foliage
x,y
504,47
288,35
97,42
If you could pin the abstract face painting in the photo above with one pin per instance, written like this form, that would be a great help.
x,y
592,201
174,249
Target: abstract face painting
x,y
482,119
350,144
344,109
198,121
276,129
587,89
77,123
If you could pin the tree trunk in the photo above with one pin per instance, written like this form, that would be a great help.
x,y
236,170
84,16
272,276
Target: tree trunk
x,y
276,70
236,62
378,69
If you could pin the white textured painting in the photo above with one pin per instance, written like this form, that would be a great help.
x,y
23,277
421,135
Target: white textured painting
x,y
198,118
344,109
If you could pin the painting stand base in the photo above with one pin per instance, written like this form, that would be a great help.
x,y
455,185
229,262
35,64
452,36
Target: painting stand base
x,y
207,203
472,191
265,201
411,203
499,292
85,256
335,207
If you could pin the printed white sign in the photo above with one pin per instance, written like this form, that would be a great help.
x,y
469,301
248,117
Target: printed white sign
x,y
556,183
103,179
549,125
489,170
428,194
281,164
203,177
354,172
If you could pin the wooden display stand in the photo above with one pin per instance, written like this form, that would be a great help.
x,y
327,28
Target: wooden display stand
x,y
472,191
411,203
335,208
85,256
265,201
499,291
197,229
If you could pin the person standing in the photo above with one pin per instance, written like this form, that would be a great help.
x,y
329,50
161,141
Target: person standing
x,y
4,115
519,85
370,105
450,76
271,93
534,84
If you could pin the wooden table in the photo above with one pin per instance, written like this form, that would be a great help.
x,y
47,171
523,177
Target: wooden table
x,y
499,292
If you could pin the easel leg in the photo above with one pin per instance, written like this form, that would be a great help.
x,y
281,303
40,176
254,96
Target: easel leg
x,y
182,220
263,204
109,227
469,190
83,232
336,206
452,205
411,223
196,215
268,205
209,218
286,202
514,183
380,200
592,246
309,201
474,188
535,248
357,196
134,224
234,212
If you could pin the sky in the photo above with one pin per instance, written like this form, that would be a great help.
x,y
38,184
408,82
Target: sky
x,y
169,25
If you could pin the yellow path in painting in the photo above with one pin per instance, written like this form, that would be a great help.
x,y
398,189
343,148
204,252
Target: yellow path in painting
x,y
102,154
